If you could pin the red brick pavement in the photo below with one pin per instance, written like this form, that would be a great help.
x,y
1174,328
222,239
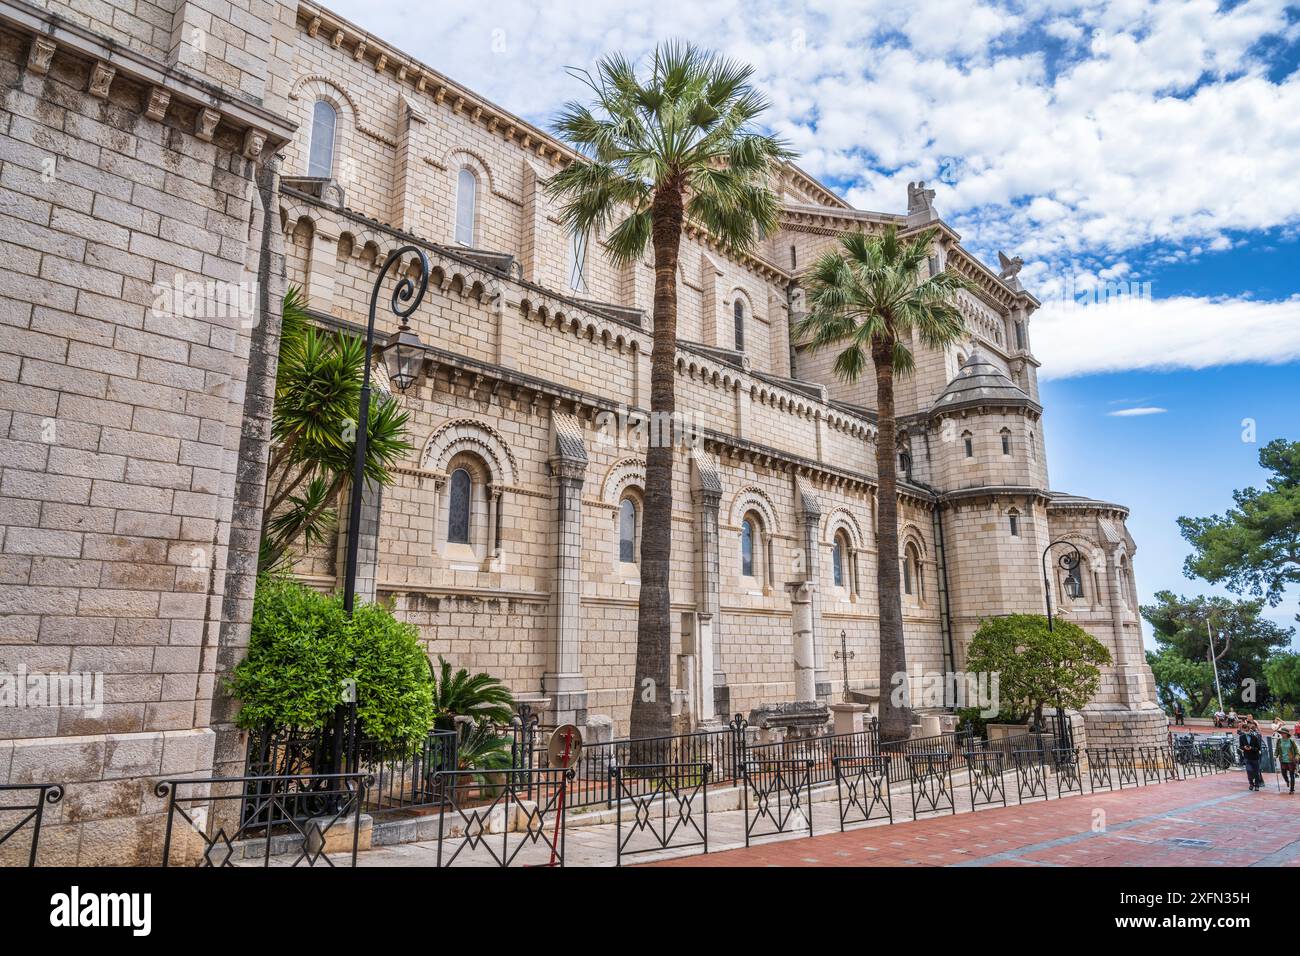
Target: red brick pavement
x,y
1136,827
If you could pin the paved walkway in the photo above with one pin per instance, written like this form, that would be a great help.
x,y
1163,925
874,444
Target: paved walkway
x,y
1209,821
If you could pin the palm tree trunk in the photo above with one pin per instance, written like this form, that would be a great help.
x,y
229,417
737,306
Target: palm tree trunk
x,y
895,722
651,689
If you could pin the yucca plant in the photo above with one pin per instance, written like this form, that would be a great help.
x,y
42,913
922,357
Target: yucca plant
x,y
313,432
679,144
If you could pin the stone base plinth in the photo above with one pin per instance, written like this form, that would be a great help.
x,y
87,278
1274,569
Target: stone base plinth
x,y
1126,728
848,718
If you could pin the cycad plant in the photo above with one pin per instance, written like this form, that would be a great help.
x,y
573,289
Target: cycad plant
x,y
462,694
655,151
868,297
313,432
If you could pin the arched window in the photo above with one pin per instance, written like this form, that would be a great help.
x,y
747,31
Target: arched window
x,y
577,260
627,519
466,198
1006,441
459,507
968,444
320,152
1033,448
911,572
842,562
1013,521
738,310
748,542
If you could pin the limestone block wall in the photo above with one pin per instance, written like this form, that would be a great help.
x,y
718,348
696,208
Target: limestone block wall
x,y
131,420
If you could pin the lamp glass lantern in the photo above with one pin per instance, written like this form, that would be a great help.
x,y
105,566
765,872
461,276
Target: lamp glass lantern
x,y
403,356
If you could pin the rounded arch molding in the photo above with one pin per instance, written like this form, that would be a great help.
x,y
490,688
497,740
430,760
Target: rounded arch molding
x,y
625,473
467,434
843,519
755,499
909,533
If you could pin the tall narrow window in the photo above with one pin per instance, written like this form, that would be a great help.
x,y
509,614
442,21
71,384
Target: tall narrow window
x,y
747,548
909,585
739,311
466,197
1020,335
627,531
1006,441
1013,520
459,507
577,261
320,154
968,443
794,257
837,561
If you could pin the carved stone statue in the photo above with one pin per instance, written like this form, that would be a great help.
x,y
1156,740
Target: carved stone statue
x,y
919,199
1010,267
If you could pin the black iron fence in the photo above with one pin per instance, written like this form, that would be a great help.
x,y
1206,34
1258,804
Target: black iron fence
x,y
667,807
777,797
287,821
22,811
513,818
403,775
862,789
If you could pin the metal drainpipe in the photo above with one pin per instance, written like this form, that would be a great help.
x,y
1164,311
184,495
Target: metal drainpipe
x,y
941,555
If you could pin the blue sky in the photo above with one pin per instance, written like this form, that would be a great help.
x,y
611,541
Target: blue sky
x,y
1148,148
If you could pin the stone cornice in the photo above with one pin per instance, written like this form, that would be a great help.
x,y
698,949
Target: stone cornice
x,y
169,83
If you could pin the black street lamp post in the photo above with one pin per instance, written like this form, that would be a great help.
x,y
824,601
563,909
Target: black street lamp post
x,y
1069,562
403,357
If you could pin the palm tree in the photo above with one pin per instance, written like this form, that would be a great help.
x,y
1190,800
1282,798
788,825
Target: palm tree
x,y
866,296
680,144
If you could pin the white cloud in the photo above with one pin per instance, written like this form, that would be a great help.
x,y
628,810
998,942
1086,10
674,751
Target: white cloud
x,y
1181,332
1095,138
1136,412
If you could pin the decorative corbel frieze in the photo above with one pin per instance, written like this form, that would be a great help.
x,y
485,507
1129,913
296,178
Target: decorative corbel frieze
x,y
381,63
337,41
205,124
40,55
101,77
313,28
359,53
156,107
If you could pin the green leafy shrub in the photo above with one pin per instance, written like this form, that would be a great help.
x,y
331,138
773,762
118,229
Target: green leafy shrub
x,y
302,646
1037,666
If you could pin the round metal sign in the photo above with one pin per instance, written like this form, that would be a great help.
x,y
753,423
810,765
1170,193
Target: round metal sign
x,y
565,747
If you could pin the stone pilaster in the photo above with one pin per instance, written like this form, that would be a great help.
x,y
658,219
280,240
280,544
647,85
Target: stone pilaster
x,y
563,681
706,496
810,511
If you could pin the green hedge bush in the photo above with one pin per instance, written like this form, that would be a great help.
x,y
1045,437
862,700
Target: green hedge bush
x,y
302,646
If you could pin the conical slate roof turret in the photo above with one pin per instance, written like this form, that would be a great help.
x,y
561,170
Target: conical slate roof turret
x,y
980,382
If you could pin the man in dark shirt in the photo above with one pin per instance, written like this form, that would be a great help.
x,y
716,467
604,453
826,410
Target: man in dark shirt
x,y
1251,745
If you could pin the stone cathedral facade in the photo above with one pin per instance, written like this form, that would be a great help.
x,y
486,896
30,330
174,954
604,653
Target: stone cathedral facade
x,y
277,144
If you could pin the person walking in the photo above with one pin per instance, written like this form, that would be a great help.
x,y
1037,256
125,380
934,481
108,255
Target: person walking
x,y
1250,743
1178,713
1288,755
